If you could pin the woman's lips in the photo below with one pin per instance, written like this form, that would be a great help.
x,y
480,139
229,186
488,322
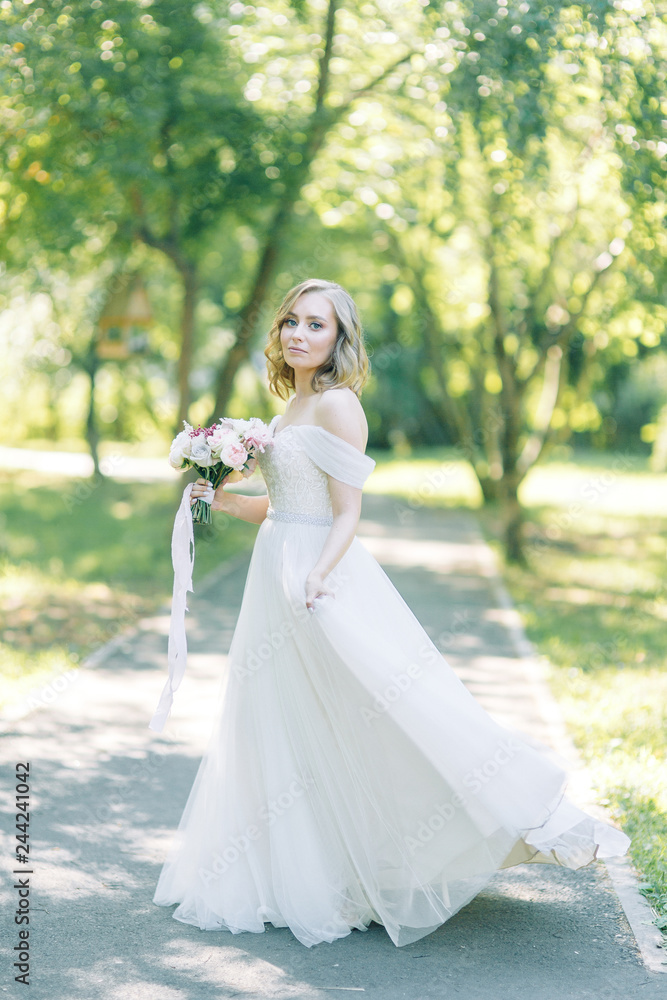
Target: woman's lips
x,y
295,350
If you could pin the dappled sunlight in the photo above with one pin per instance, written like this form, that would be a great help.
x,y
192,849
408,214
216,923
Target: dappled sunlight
x,y
155,623
150,844
502,686
610,491
424,481
99,978
82,882
433,555
628,718
71,465
574,491
243,971
523,888
577,595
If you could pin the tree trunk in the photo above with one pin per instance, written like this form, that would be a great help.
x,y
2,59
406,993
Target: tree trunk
x,y
92,433
513,521
188,273
321,121
318,126
172,248
247,319
491,488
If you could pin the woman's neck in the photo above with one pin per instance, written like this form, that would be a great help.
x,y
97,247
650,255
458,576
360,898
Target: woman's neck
x,y
303,389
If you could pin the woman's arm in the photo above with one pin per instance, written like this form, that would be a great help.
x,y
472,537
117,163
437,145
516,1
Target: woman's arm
x,y
340,412
252,509
246,508
346,508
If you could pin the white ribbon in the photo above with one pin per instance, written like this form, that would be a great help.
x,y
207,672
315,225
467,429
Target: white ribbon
x,y
183,561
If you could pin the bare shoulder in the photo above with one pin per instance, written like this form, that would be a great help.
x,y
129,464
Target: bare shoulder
x,y
340,412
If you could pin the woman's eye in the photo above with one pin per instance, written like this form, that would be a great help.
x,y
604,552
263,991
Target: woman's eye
x,y
316,326
289,322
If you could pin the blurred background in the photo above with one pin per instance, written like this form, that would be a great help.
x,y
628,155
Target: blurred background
x,y
488,181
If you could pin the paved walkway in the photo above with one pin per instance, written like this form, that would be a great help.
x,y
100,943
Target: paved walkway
x,y
107,793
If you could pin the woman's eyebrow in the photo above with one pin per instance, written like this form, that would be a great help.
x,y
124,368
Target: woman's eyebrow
x,y
320,318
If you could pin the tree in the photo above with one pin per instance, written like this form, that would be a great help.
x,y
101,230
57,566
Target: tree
x,y
525,190
128,123
141,130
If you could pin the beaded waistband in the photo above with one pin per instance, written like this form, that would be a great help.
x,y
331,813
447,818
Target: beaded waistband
x,y
298,518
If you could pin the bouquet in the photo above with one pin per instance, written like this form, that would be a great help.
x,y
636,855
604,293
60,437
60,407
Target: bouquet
x,y
226,449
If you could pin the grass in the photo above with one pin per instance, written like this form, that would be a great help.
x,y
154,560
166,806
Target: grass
x,y
82,561
604,576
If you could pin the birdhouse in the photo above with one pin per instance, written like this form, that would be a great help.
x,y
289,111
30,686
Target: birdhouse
x,y
124,320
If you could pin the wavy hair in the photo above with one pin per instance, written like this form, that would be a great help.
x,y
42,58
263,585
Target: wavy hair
x,y
348,363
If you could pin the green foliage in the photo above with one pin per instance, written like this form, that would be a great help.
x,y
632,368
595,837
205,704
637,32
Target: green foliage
x,y
137,119
487,178
502,170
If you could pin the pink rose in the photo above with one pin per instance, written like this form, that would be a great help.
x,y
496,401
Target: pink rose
x,y
220,439
234,455
257,438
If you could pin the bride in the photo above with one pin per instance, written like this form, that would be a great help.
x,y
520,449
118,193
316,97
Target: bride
x,y
350,776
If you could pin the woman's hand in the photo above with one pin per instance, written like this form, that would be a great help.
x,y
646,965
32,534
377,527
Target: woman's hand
x,y
202,486
315,587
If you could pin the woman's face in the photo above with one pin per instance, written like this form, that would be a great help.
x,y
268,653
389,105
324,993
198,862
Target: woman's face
x,y
309,332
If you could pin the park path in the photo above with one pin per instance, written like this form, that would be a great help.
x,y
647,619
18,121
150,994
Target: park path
x,y
107,794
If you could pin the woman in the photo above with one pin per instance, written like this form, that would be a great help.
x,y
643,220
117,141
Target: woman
x,y
350,776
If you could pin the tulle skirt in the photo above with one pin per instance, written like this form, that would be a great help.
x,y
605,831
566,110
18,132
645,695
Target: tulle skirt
x,y
350,776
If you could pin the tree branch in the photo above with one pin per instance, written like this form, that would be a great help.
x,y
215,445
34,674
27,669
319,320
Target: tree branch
x,y
531,312
325,59
562,336
553,371
167,245
372,84
506,365
532,449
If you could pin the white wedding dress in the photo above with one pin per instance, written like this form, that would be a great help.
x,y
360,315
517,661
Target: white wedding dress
x,y
351,776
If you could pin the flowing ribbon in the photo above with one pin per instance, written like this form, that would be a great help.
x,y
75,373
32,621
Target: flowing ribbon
x,y
183,561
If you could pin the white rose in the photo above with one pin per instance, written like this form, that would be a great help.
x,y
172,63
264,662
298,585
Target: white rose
x,y
200,452
233,423
175,458
180,450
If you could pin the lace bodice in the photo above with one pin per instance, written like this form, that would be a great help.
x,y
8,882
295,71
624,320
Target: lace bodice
x,y
296,464
295,483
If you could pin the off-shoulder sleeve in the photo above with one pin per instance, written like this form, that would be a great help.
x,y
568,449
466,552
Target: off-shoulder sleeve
x,y
335,456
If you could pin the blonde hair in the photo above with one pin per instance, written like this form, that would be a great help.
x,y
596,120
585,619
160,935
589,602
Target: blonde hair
x,y
348,363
